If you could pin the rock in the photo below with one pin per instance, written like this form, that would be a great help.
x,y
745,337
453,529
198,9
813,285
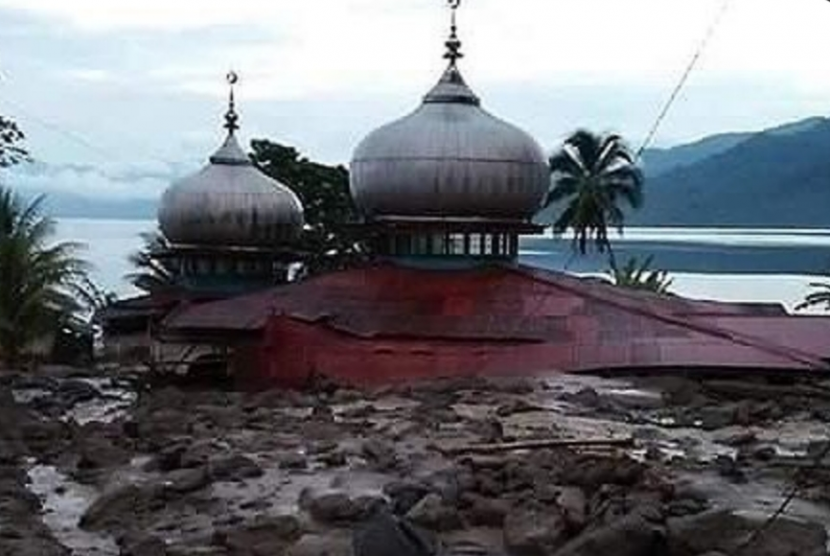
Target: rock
x,y
293,461
334,543
333,507
515,407
724,531
234,468
487,512
185,481
574,504
736,439
123,506
587,397
630,536
432,513
730,468
73,392
384,534
142,545
535,532
381,455
405,494
264,536
716,417
592,472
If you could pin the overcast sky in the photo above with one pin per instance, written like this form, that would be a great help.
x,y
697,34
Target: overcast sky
x,y
139,84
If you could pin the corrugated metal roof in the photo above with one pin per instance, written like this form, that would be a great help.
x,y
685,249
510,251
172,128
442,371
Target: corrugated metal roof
x,y
591,324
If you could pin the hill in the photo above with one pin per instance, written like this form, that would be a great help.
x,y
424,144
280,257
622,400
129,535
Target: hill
x,y
777,178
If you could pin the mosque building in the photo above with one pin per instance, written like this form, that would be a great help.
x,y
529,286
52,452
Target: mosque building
x,y
445,194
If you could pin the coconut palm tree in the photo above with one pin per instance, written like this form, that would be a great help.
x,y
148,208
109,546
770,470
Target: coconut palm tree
x,y
638,275
151,273
42,284
820,296
593,177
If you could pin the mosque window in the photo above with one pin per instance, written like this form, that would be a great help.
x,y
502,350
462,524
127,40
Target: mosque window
x,y
458,244
475,244
487,248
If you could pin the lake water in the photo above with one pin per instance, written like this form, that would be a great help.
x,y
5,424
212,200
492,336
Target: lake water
x,y
721,264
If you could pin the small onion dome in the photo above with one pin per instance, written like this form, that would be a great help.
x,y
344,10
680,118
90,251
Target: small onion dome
x,y
449,158
230,203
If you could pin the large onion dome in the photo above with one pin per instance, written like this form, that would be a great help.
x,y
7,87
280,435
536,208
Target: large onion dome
x,y
449,158
230,202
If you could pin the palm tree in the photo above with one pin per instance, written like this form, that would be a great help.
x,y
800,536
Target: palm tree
x,y
639,276
43,285
821,296
151,274
593,175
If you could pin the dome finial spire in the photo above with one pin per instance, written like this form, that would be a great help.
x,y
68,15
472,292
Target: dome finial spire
x,y
231,117
453,44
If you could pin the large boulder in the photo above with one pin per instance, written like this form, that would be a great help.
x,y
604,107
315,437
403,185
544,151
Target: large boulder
x,y
725,531
535,532
632,535
432,513
263,536
385,535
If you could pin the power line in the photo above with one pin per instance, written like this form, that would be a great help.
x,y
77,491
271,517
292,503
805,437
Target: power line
x,y
710,32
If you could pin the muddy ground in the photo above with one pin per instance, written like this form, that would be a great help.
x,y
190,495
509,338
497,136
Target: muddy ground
x,y
104,463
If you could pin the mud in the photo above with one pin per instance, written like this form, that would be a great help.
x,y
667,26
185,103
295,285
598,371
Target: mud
x,y
109,465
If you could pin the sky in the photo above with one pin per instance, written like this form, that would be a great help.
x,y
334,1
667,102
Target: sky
x,y
116,95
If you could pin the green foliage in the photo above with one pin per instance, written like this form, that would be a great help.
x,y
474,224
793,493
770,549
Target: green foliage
x,y
10,137
638,275
43,286
592,177
151,273
329,241
820,296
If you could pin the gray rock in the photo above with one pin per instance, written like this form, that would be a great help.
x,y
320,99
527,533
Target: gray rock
x,y
333,543
487,512
380,454
630,536
234,468
535,532
432,513
332,507
123,506
386,535
405,494
724,531
264,536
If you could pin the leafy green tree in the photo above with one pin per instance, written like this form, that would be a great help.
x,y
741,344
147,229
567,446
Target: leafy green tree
x,y
592,178
152,273
10,138
638,275
329,241
43,285
817,298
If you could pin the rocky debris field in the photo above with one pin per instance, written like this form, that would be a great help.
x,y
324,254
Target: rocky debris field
x,y
565,466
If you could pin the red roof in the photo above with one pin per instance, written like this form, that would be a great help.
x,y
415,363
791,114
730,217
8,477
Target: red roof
x,y
585,324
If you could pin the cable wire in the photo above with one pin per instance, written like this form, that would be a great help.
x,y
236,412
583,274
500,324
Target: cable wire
x,y
710,33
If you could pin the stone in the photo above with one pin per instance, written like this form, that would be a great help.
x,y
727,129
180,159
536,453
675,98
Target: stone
x,y
380,454
630,536
293,461
592,472
535,532
574,505
384,534
716,417
432,513
405,494
333,543
234,468
725,531
123,506
487,512
263,536
332,507
142,545
736,438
